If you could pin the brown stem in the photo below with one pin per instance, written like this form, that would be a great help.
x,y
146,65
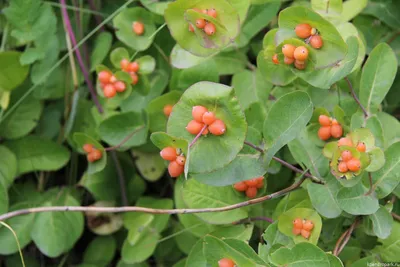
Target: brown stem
x,y
121,179
371,187
96,16
253,219
124,140
393,37
356,98
150,210
345,237
396,216
259,149
198,135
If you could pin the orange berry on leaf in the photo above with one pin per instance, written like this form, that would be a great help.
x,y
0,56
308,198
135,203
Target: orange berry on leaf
x,y
200,23
260,184
181,160
308,225
133,67
191,28
210,29
209,117
174,169
113,79
324,133
324,120
167,110
124,64
240,186
346,155
298,223
342,167
288,60
316,41
301,53
217,127
135,77
306,234
96,154
212,12
109,91
104,76
354,165
120,86
251,192
198,112
303,30
225,262
336,131
138,27
88,148
345,142
205,132
275,59
288,50
251,182
194,127
300,65
168,153
90,157
296,231
361,147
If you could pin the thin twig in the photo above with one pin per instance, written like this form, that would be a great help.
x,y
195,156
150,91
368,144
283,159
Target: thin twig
x,y
395,35
253,219
356,98
198,135
79,57
96,16
150,210
259,149
371,186
396,216
345,237
124,140
251,66
121,179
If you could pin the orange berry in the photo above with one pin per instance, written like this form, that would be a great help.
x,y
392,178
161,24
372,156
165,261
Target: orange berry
x,y
316,41
354,165
361,147
217,127
204,11
298,223
209,117
301,53
260,184
90,157
335,122
133,67
120,86
345,142
181,160
200,23
168,153
191,28
113,79
300,65
198,112
109,91
88,148
135,77
324,133
288,50
342,167
212,12
251,192
275,59
308,225
124,64
104,76
225,262
288,60
252,182
240,186
296,231
210,29
306,234
205,132
346,155
138,27
303,30
174,169
96,154
324,120
194,127
167,110
336,131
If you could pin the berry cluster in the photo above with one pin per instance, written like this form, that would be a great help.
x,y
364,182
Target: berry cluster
x,y
132,68
93,154
138,28
202,117
206,26
302,227
250,186
329,128
348,163
167,110
225,262
176,161
345,141
110,84
305,31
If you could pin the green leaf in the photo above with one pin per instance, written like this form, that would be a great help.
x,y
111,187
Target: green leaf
x,y
163,140
8,167
377,158
281,128
220,150
160,222
197,195
385,11
296,199
334,261
155,7
196,256
390,127
117,55
387,178
150,165
389,250
377,77
147,64
3,199
330,9
80,140
101,47
352,8
182,59
354,201
123,22
230,62
142,249
273,237
137,224
38,154
158,120
12,72
100,251
382,222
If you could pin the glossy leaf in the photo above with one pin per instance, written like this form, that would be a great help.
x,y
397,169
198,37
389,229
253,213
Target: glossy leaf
x,y
382,222
353,200
8,166
158,120
102,46
12,72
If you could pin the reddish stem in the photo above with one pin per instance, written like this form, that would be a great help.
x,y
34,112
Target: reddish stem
x,y
198,135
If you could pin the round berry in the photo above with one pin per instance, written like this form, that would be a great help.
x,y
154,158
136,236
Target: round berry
x,y
113,79
205,132
210,29
354,165
135,77
133,67
104,76
200,23
198,112
316,41
109,91
303,30
288,60
361,147
301,53
212,12
275,59
252,182
88,148
346,155
96,154
298,223
168,153
296,231
90,157
300,65
240,186
288,50
308,225
138,27
342,167
260,184
251,192
167,110
225,262
217,127
181,160
174,169
194,127
345,142
336,131
324,133
306,234
204,11
124,64
209,117
324,120
191,28
335,122
120,86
